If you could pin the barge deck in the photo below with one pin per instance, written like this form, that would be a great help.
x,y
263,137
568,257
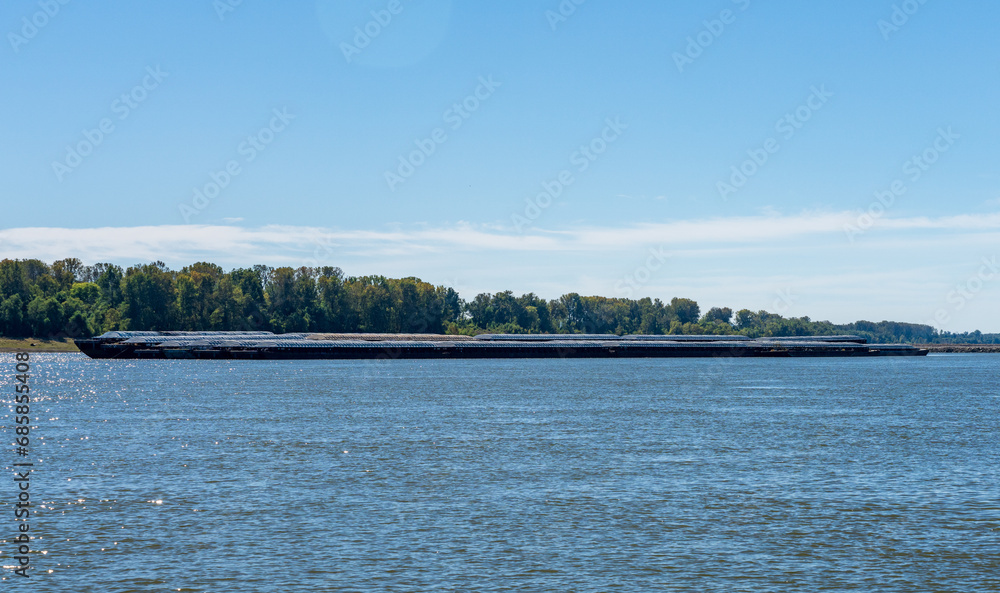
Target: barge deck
x,y
304,346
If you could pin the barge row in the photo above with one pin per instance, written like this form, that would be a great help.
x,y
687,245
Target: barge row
x,y
302,346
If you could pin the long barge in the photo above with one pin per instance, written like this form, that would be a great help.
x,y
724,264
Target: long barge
x,y
300,346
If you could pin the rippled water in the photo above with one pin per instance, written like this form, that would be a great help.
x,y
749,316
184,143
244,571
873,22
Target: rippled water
x,y
534,475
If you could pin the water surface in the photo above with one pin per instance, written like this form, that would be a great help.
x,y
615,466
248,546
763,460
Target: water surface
x,y
514,475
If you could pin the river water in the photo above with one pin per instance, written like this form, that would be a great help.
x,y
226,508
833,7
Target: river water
x,y
510,475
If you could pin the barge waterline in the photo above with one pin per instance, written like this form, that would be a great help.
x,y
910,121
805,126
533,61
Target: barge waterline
x,y
306,346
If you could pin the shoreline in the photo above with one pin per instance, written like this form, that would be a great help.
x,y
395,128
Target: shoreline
x,y
962,348
44,345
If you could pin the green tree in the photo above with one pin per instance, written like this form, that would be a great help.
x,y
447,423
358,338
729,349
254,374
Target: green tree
x,y
66,272
332,299
686,310
12,314
88,292
720,314
481,310
251,305
13,280
376,309
149,298
110,282
45,316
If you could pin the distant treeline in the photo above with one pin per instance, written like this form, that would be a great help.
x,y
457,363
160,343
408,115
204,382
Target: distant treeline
x,y
68,298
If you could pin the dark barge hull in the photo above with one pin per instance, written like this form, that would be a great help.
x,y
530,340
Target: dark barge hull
x,y
262,346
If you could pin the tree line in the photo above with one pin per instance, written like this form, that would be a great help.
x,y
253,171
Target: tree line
x,y
68,298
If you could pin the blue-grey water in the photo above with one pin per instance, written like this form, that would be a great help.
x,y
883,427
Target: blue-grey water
x,y
524,475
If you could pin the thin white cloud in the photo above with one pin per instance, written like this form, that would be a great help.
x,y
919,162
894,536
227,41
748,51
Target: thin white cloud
x,y
275,244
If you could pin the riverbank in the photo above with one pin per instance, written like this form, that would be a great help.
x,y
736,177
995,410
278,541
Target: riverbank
x,y
37,345
990,348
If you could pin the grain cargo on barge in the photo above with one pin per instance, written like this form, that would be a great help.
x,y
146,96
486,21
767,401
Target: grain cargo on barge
x,y
300,346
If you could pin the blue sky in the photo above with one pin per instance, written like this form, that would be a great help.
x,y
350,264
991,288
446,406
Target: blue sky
x,y
728,151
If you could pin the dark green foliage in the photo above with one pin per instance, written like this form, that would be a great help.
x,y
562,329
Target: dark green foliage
x,y
110,282
12,321
686,310
87,292
724,314
13,280
70,299
150,298
45,315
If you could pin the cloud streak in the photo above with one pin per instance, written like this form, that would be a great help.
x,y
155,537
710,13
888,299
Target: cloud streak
x,y
275,244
